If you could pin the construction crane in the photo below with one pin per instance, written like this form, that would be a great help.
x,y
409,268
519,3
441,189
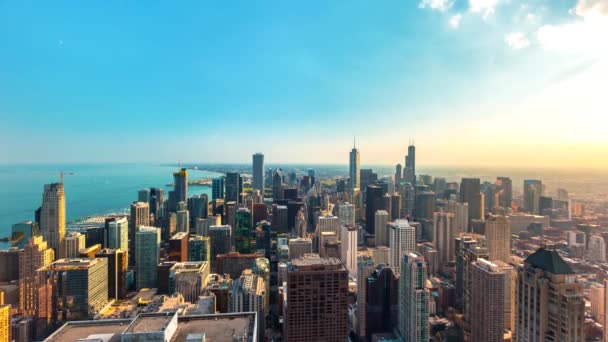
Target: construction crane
x,y
63,173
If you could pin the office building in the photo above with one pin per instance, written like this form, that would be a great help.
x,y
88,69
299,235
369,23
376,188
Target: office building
x,y
504,192
413,317
35,255
220,240
258,173
299,247
468,250
199,248
280,218
156,203
147,242
182,222
329,245
365,267
235,263
382,301
198,207
431,256
346,213
248,294
118,234
5,323
461,215
596,294
244,241
52,215
79,287
373,203
407,192
178,247
596,250
22,232
444,235
381,219
217,188
234,187
491,304
189,279
9,264
140,216
117,272
328,224
532,192
353,170
325,316
550,303
425,205
277,185
71,244
498,238
402,240
409,172
470,192
348,248
398,174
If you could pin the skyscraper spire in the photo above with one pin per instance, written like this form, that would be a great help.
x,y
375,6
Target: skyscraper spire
x,y
354,142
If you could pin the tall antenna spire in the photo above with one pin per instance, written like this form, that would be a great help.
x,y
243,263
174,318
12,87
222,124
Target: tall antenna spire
x,y
354,141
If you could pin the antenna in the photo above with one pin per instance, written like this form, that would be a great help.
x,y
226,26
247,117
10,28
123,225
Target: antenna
x,y
354,142
63,173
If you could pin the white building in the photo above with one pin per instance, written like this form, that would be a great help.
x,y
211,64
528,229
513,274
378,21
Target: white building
x,y
596,249
597,302
348,248
346,213
381,224
402,239
328,224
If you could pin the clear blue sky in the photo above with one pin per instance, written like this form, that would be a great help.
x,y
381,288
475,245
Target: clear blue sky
x,y
217,81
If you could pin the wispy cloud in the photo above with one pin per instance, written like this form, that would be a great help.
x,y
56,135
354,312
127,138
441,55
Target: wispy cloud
x,y
455,21
483,7
517,40
438,5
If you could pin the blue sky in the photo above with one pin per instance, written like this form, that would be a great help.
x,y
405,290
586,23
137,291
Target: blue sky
x,y
473,81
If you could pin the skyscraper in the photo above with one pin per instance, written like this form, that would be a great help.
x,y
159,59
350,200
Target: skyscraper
x,y
258,173
444,235
398,174
346,213
217,188
277,184
425,205
382,301
34,255
550,303
22,232
596,250
491,284
353,170
140,216
317,297
402,240
470,192
198,206
413,321
180,186
5,323
348,248
409,171
504,191
52,215
117,272
220,240
71,244
498,238
365,267
118,234
199,248
328,224
532,192
248,294
147,242
382,231
234,187
298,247
373,202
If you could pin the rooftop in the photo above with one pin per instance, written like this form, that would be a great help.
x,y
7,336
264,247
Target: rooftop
x,y
73,331
150,323
550,261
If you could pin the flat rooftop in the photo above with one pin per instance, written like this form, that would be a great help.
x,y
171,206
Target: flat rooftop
x,y
218,328
73,331
150,322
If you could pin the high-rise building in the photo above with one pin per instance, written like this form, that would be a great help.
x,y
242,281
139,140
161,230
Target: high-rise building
x,y
5,323
532,191
596,293
140,216
79,287
491,284
425,205
381,219
382,301
182,222
217,188
596,250
468,250
147,242
346,213
52,215
605,321
461,215
234,263
9,264
550,303
365,267
189,279
220,240
322,317
470,192
118,234
373,202
366,177
402,240
157,200
258,173
444,235
36,254
504,192
178,247
398,174
353,170
248,294
277,184
117,272
22,232
413,318
71,244
143,195
234,187
409,172
198,207
348,248
199,248
407,192
180,185
299,247
498,238
328,224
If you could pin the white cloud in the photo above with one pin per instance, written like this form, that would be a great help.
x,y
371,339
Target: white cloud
x,y
439,5
455,20
484,7
517,40
587,33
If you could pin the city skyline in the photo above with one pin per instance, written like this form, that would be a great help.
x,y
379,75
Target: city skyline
x,y
513,82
